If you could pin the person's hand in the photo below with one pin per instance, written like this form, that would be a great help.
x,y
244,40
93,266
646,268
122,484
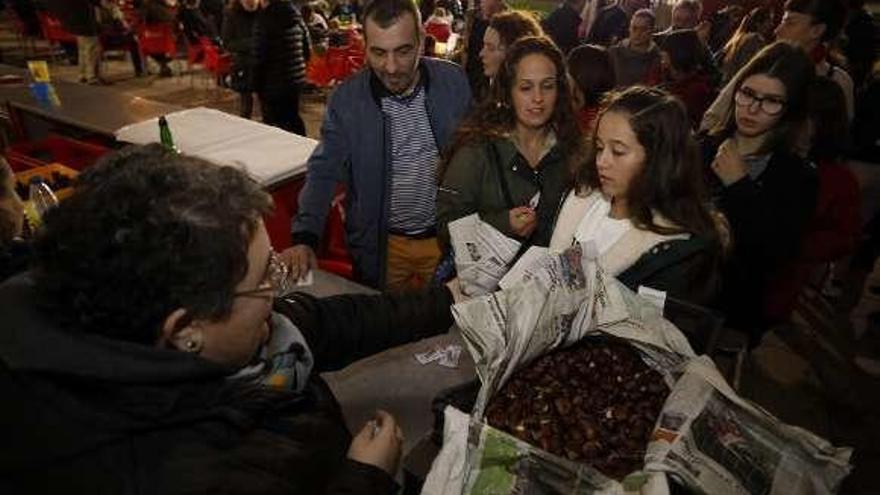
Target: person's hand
x,y
379,443
729,165
704,30
523,220
300,259
454,287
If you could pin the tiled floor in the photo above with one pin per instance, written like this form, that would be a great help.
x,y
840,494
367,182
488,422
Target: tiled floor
x,y
805,375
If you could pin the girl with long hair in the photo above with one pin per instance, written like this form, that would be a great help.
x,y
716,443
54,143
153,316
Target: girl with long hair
x,y
640,198
753,32
766,191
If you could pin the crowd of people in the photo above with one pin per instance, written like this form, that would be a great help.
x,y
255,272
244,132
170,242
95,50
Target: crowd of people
x,y
706,160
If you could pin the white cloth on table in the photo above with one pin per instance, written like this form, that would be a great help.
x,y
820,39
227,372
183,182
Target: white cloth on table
x,y
270,155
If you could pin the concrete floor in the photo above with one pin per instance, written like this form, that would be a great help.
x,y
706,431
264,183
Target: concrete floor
x,y
804,374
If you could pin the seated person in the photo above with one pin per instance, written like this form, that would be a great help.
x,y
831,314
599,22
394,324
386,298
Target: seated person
x,y
681,53
14,252
142,354
835,228
636,59
510,159
641,200
504,29
593,75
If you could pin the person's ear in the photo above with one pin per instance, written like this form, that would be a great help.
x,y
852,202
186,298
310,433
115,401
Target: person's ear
x,y
180,332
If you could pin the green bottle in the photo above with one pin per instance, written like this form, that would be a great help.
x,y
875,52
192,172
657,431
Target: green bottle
x,y
165,135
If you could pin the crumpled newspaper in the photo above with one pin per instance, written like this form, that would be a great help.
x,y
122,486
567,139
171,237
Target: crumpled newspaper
x,y
446,356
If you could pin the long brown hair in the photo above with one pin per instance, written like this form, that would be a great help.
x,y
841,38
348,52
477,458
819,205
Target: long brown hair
x,y
793,68
495,117
751,23
671,181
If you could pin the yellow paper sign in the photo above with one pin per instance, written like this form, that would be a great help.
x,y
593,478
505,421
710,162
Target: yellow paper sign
x,y
39,70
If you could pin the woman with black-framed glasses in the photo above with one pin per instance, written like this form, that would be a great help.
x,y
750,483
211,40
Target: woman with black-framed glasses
x,y
764,187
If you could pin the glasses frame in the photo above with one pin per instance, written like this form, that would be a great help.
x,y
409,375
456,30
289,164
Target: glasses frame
x,y
278,282
753,97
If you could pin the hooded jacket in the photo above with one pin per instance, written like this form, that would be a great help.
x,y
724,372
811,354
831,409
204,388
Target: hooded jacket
x,y
90,414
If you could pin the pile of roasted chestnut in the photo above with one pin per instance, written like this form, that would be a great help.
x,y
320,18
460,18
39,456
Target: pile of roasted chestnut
x,y
594,403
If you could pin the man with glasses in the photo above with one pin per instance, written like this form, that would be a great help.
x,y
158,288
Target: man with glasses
x,y
150,349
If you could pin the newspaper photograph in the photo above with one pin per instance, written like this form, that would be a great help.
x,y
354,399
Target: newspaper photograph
x,y
482,254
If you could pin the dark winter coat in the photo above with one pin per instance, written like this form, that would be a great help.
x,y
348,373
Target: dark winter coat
x,y
238,39
769,217
89,414
76,16
281,48
562,27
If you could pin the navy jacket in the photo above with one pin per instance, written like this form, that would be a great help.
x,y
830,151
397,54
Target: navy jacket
x,y
355,149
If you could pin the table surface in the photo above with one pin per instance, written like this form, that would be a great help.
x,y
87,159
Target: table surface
x,y
392,380
98,109
268,154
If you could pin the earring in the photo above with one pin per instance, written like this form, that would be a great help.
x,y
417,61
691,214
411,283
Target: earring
x,y
191,345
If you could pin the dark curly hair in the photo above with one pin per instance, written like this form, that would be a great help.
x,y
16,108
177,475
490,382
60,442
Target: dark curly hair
x,y
495,117
592,71
671,182
790,65
685,50
832,13
512,25
145,232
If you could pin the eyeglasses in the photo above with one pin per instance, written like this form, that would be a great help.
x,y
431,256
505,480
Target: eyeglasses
x,y
771,105
278,281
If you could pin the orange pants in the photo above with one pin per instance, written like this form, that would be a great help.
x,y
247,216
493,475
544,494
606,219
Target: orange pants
x,y
411,262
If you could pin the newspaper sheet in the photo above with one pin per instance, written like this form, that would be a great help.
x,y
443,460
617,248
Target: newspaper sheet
x,y
482,254
711,439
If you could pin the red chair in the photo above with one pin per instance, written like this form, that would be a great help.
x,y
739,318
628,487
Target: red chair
x,y
332,254
74,153
54,32
216,62
337,63
157,39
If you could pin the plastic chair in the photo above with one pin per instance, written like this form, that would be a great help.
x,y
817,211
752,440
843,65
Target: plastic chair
x,y
54,32
218,63
157,39
73,153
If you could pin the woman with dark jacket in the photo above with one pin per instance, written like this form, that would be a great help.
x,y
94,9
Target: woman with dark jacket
x,y
281,48
238,39
510,159
150,350
640,199
767,192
